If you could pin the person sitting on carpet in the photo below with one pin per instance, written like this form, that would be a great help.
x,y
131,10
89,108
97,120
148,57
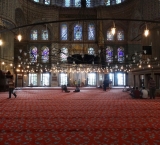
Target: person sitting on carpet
x,y
64,88
136,93
144,93
77,89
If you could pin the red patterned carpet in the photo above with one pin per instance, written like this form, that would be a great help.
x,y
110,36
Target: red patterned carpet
x,y
91,117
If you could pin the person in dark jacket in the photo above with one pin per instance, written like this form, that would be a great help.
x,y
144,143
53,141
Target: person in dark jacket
x,y
152,88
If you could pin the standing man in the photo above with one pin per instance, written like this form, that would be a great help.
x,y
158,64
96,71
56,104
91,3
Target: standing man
x,y
152,88
11,87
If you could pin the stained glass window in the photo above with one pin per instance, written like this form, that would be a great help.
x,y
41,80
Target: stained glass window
x,y
47,2
33,54
78,32
77,3
64,54
109,54
110,36
91,32
120,35
88,3
34,34
67,3
120,53
64,32
91,51
45,54
44,34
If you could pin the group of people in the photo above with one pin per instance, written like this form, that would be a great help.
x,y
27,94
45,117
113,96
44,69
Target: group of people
x,y
65,89
143,93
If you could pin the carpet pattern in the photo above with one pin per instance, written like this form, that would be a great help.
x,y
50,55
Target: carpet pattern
x,y
91,117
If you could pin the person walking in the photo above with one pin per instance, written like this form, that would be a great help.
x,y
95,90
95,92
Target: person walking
x,y
11,87
152,88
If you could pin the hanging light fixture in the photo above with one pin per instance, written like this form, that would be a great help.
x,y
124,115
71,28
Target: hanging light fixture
x,y
113,29
146,31
19,37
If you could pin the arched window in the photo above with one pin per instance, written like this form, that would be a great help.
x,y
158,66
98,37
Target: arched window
x,y
120,54
47,2
91,32
120,35
44,35
34,34
110,36
64,54
64,32
67,3
91,51
33,54
45,54
78,32
109,54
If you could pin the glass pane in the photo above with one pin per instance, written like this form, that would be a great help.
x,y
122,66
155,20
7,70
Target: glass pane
x,y
34,35
63,32
91,79
118,1
107,2
109,54
77,32
91,51
64,54
32,79
33,54
44,34
45,54
120,35
110,36
120,52
111,78
88,3
45,79
63,79
77,3
91,32
36,0
67,3
47,2
120,77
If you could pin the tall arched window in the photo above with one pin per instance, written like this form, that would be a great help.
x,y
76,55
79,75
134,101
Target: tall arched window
x,y
110,36
120,35
109,54
33,54
78,32
34,34
44,34
91,51
64,54
64,32
45,54
91,32
120,54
